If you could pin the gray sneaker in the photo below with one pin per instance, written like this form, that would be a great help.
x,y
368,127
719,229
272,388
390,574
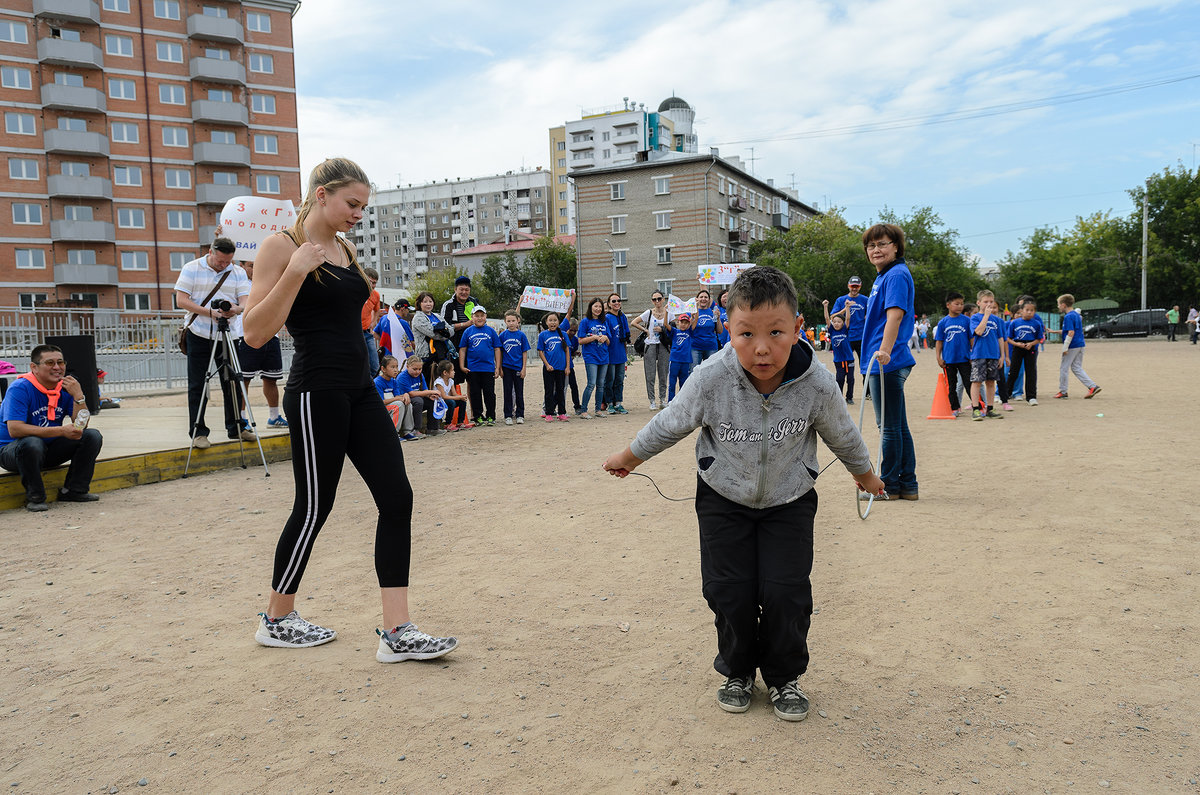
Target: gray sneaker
x,y
789,701
734,695
291,632
410,643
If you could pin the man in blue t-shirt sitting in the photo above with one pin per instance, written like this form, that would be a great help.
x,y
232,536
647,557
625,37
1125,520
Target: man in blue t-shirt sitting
x,y
33,435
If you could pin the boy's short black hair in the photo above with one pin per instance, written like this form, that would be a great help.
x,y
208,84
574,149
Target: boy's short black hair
x,y
953,295
760,285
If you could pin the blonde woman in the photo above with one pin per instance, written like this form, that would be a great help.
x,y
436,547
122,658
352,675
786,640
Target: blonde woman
x,y
308,278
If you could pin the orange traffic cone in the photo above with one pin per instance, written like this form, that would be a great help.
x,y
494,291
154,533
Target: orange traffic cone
x,y
940,410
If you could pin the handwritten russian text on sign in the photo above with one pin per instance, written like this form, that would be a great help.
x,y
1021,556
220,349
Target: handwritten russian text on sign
x,y
722,272
547,299
249,220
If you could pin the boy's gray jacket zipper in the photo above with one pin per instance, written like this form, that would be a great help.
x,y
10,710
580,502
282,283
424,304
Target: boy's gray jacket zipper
x,y
758,451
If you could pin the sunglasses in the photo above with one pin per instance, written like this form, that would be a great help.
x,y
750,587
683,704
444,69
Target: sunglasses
x,y
656,299
614,300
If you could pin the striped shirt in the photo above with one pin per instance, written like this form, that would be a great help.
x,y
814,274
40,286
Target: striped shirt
x,y
197,280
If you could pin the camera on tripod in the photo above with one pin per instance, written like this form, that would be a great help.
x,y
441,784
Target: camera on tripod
x,y
221,305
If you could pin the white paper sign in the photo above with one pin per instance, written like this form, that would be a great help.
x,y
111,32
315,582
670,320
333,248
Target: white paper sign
x,y
249,220
722,272
547,299
677,306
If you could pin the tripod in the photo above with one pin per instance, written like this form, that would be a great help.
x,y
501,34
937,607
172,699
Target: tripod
x,y
229,370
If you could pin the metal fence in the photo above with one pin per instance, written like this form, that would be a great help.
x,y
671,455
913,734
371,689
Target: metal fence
x,y
137,350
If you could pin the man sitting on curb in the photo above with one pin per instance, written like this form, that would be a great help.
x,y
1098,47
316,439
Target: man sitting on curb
x,y
34,436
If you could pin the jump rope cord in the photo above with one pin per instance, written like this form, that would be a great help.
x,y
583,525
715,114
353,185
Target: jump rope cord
x,y
858,503
656,488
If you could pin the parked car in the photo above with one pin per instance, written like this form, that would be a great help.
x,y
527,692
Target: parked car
x,y
1138,323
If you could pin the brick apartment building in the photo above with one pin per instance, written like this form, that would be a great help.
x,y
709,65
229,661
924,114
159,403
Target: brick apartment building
x,y
127,125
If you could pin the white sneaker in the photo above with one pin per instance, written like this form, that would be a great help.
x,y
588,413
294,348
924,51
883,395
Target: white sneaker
x,y
1033,401
411,643
653,406
291,632
520,420
508,420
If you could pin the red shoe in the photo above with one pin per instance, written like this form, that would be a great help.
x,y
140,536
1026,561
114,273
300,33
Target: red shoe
x,y
1092,392
563,418
548,417
451,428
1061,396
466,426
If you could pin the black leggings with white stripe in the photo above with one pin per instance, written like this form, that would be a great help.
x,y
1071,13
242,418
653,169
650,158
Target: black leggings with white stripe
x,y
327,426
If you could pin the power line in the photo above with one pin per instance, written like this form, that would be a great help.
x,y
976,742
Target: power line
x,y
965,115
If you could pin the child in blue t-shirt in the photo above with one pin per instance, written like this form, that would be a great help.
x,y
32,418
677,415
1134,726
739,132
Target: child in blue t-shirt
x,y
479,357
987,356
952,341
514,344
554,349
681,354
1072,349
1025,333
843,354
411,382
395,399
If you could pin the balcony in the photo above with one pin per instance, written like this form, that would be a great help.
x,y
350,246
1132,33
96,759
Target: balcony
x,y
200,26
208,193
207,235
217,71
739,238
456,237
585,143
221,154
60,185
76,143
57,52
96,231
781,220
65,273
737,204
73,98
220,112
84,11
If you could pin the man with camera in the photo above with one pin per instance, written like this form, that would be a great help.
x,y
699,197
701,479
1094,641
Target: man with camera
x,y
212,288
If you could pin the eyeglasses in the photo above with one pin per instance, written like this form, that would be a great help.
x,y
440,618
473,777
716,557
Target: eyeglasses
x,y
879,244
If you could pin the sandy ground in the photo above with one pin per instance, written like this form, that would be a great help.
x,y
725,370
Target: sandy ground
x,y
1028,626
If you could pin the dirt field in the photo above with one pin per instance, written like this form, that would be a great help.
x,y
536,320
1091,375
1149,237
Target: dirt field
x,y
1028,626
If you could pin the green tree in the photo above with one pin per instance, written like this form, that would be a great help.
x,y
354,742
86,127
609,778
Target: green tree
x,y
549,263
820,254
439,282
1173,272
937,262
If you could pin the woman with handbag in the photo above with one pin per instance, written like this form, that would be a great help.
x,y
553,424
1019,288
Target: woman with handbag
x,y
656,357
428,328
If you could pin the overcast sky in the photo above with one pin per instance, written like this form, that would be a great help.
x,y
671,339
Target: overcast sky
x,y
1108,93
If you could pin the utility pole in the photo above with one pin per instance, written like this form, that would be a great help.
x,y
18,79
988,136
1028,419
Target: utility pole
x,y
1145,238
752,159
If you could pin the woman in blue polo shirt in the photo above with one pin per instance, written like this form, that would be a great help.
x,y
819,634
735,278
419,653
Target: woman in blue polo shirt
x,y
593,339
887,328
706,328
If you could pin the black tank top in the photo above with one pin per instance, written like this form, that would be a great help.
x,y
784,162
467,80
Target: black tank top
x,y
326,324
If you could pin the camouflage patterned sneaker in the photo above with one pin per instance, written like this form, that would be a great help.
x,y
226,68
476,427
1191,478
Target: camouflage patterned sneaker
x,y
410,643
734,695
789,701
291,632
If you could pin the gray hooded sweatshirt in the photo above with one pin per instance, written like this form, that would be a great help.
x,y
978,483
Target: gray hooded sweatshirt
x,y
758,451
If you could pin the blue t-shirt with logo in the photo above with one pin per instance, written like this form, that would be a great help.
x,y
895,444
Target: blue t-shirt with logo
x,y
893,289
23,402
856,314
618,332
481,343
839,341
955,335
387,385
595,352
681,346
987,345
723,337
554,345
406,382
514,344
1073,322
704,335
1022,330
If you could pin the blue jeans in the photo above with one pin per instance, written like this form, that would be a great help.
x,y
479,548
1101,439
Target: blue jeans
x,y
373,353
596,374
899,468
699,356
679,373
614,384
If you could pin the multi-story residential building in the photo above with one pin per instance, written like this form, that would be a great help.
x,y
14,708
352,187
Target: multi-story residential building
x,y
127,125
651,225
612,137
407,231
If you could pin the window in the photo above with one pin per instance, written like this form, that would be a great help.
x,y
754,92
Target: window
x,y
562,229
166,9
135,261
562,162
618,224
30,300
266,144
724,248
225,178
122,89
180,258
261,63
16,32
220,95
620,258
127,175
120,6
562,195
137,302
77,212
259,23
31,258
622,290
178,178
721,185
617,190
68,79
175,136
170,52
92,299
74,125
215,11
561,146
662,219
15,77
562,212
664,255
22,168
223,137
562,179
266,183
26,213
216,53
130,218
72,169
171,94
118,45
662,185
179,220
